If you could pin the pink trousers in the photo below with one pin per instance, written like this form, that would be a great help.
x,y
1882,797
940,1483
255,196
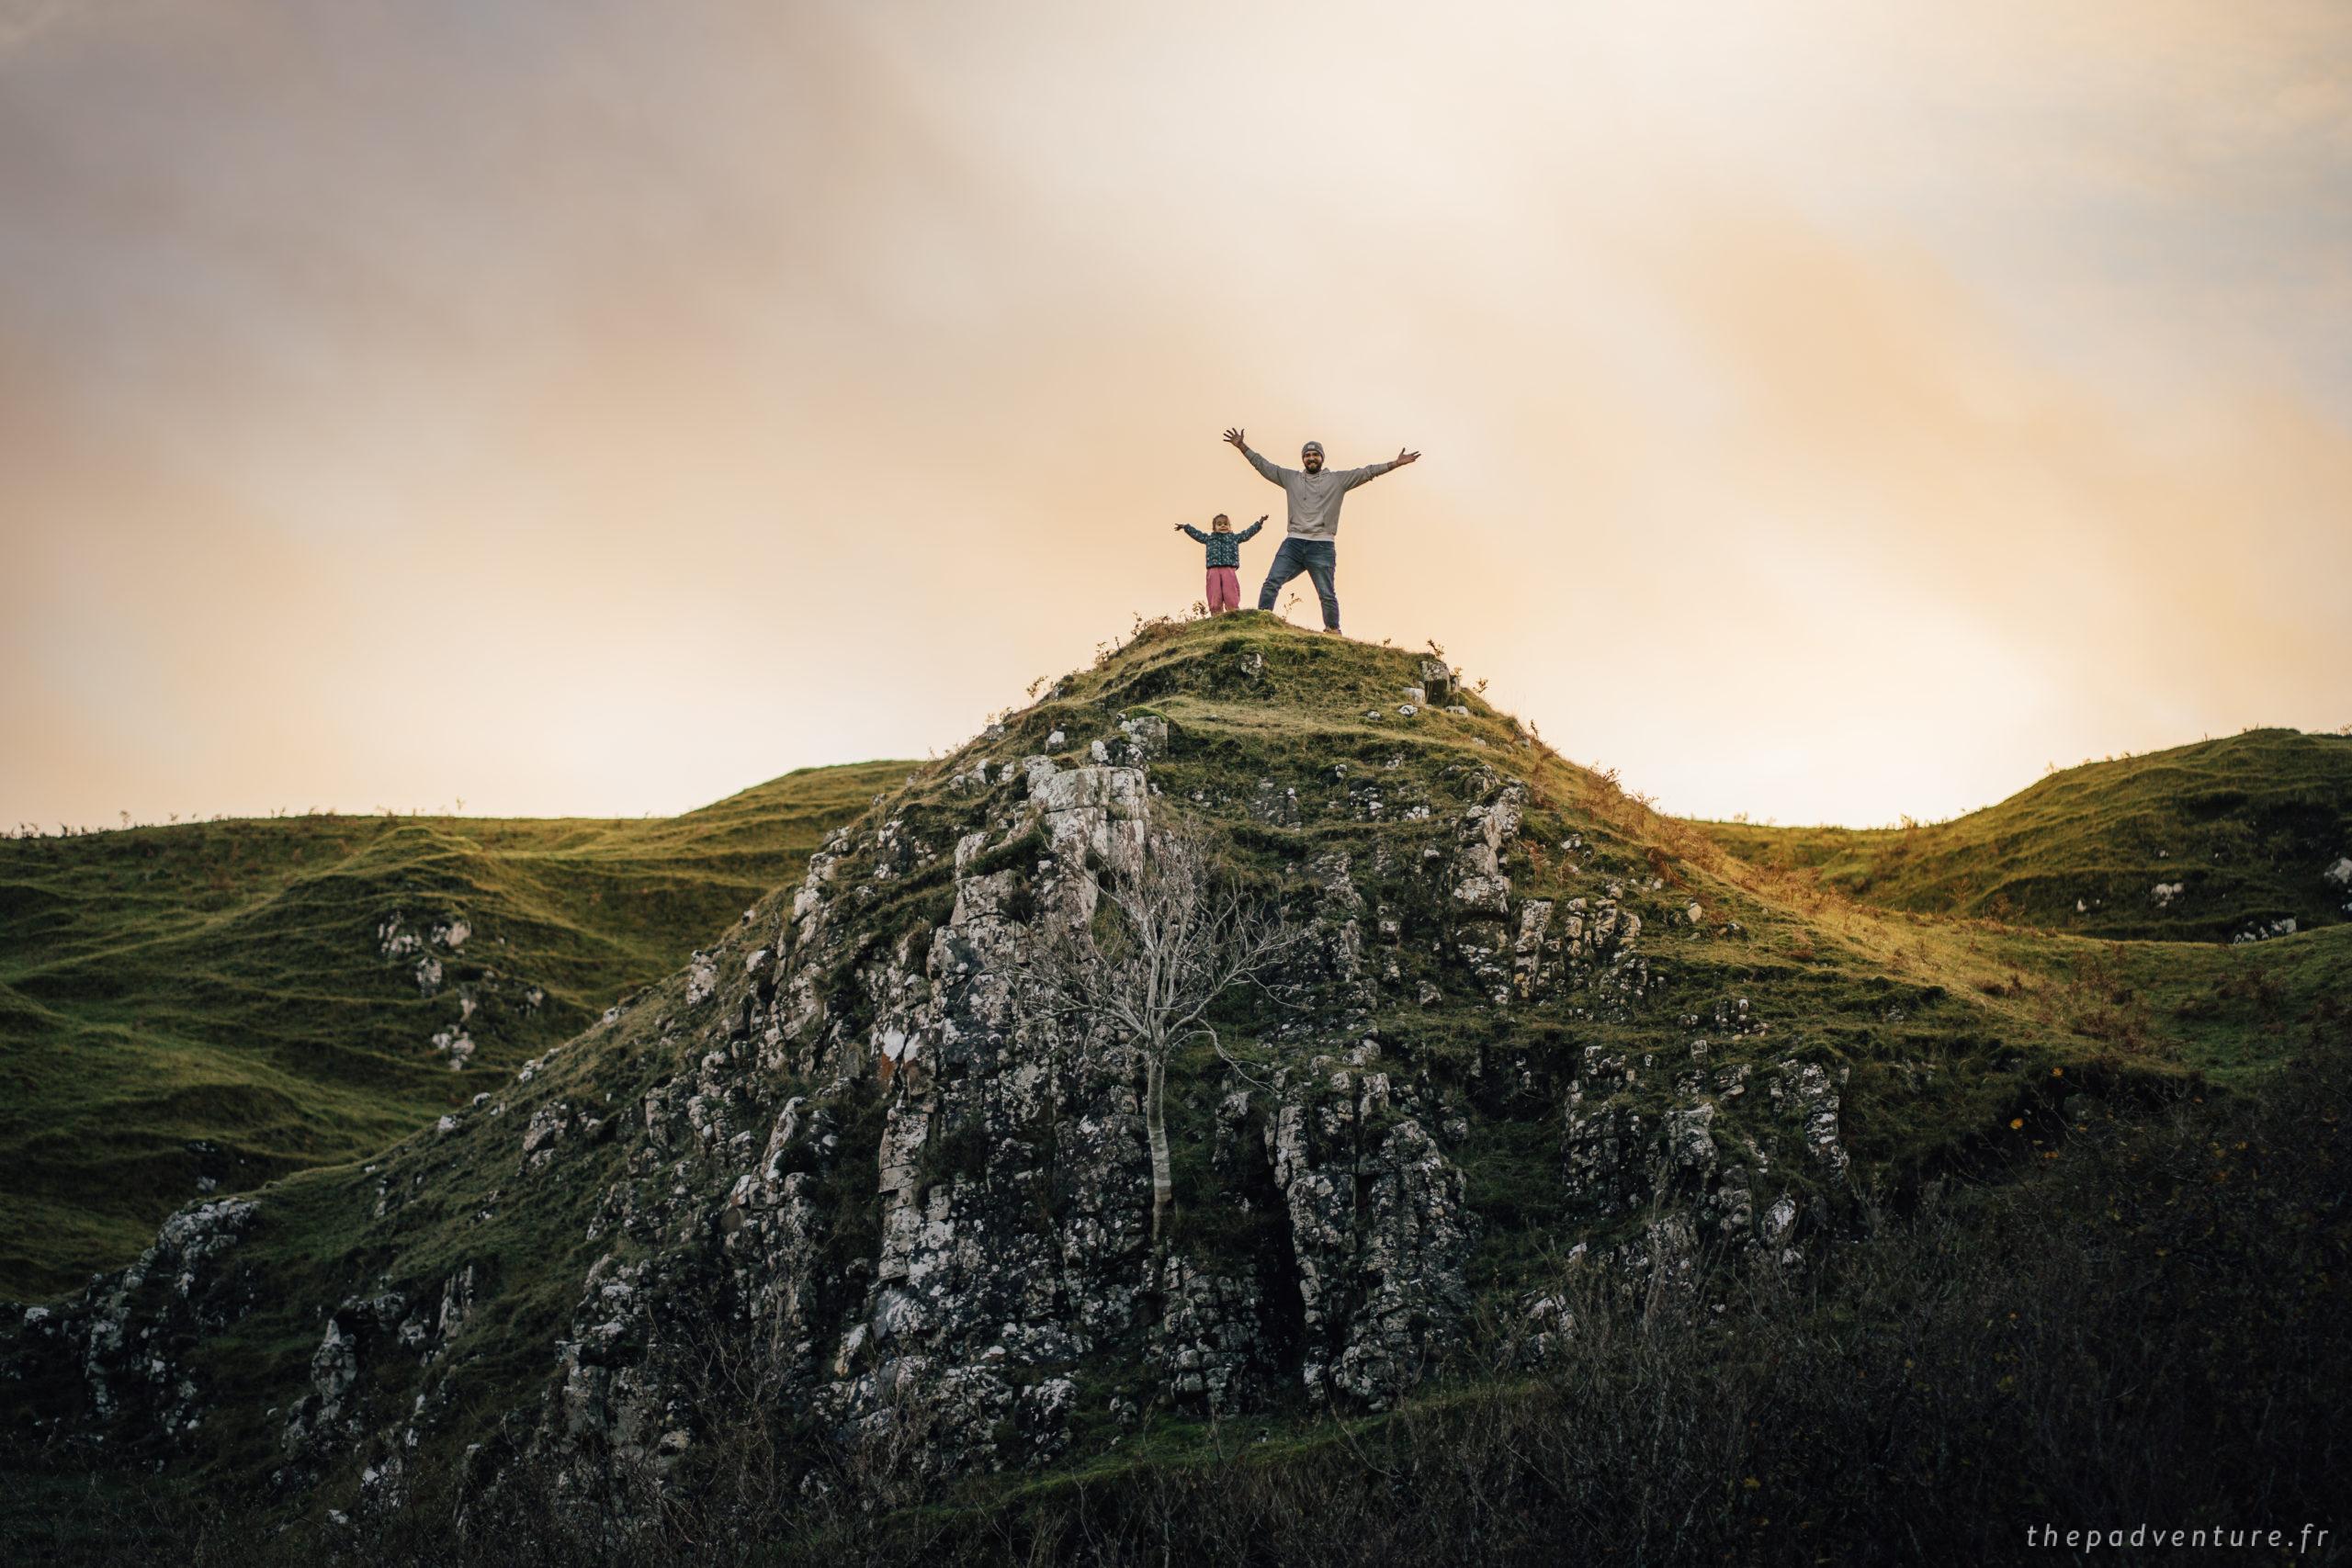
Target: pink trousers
x,y
1225,590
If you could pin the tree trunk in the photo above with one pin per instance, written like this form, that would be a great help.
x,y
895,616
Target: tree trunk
x,y
1154,1127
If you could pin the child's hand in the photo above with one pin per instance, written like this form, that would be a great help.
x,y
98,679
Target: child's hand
x,y
1264,516
1179,528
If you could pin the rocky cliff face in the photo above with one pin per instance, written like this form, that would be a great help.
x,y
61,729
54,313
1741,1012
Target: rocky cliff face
x,y
849,1170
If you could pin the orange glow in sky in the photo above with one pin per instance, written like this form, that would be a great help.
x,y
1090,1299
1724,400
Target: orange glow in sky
x,y
1829,411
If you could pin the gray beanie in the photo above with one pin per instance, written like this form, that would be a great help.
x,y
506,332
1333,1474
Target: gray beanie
x,y
1310,446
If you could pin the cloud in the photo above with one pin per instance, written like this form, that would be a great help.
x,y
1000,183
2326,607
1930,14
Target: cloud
x,y
586,410
22,21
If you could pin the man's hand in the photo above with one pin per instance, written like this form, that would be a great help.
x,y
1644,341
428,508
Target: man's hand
x,y
1403,456
1234,436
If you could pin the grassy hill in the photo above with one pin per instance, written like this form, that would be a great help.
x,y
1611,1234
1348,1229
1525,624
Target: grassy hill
x,y
607,1198
217,1003
2206,842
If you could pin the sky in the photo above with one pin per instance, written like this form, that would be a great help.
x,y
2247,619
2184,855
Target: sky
x,y
1830,410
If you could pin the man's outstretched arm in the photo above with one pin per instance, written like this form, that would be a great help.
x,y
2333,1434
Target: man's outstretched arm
x,y
1273,472
1365,475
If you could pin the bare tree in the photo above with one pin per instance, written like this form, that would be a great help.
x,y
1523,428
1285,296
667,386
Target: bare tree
x,y
1170,933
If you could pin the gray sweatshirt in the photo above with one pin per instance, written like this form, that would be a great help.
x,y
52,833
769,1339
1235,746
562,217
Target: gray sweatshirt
x,y
1315,497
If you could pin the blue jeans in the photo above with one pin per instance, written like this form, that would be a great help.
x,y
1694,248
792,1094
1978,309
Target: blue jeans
x,y
1319,558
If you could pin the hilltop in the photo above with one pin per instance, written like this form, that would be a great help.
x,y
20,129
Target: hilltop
x,y
842,1226
206,1006
2237,839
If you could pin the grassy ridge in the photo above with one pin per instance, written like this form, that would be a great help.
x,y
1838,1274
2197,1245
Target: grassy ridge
x,y
212,1002
1941,1023
1960,1046
2245,828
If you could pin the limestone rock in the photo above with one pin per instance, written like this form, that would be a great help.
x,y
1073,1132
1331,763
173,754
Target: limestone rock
x,y
857,1161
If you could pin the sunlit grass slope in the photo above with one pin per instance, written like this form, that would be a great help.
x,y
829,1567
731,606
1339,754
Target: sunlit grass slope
x,y
215,1002
1959,1045
2201,842
1963,1047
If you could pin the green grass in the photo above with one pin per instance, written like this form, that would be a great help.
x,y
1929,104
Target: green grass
x,y
1963,1039
2247,828
209,1001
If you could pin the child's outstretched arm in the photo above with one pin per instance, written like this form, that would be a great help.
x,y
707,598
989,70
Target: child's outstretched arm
x,y
1188,528
1250,532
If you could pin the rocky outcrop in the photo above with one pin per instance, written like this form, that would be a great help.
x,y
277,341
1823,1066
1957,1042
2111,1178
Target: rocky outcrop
x,y
1007,1172
1215,1351
131,1330
1482,836
881,1187
1379,1231
1683,1156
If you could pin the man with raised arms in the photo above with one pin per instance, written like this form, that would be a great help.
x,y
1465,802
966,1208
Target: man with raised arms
x,y
1312,544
